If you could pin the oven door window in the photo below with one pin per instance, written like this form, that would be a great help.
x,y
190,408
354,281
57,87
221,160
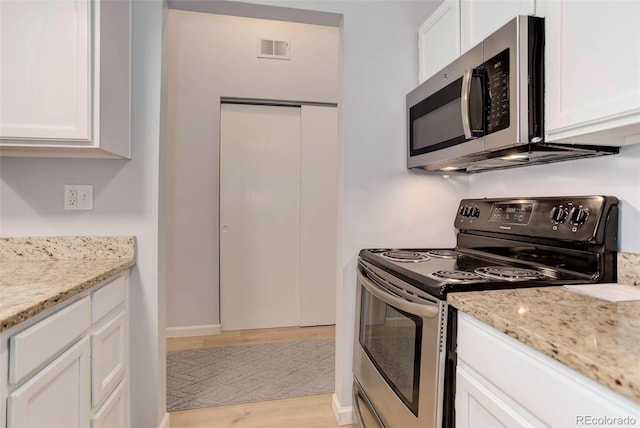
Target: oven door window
x,y
392,339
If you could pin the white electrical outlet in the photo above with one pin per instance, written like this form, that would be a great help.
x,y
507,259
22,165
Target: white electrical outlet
x,y
78,197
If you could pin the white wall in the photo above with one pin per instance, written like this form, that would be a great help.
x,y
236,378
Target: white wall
x,y
382,203
214,56
617,175
125,203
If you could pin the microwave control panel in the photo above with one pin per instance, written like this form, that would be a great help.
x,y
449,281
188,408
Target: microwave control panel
x,y
497,92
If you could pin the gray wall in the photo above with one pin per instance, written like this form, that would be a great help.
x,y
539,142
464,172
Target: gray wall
x,y
214,56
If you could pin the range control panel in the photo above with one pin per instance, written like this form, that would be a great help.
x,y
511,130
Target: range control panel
x,y
575,218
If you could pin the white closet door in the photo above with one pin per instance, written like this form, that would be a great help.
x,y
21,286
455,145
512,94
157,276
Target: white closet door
x,y
318,215
259,216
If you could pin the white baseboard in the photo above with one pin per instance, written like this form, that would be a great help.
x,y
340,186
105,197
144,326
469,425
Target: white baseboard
x,y
194,330
344,414
165,422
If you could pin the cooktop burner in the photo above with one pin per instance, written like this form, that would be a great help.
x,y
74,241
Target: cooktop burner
x,y
444,254
455,276
509,273
405,256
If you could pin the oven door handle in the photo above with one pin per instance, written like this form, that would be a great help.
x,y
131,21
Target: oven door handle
x,y
423,310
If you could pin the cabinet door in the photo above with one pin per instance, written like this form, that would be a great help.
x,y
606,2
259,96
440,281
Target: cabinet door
x,y
108,359
65,78
478,19
477,405
501,378
57,396
114,413
439,39
592,71
45,69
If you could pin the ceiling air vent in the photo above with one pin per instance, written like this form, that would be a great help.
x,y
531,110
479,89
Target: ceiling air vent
x,y
275,49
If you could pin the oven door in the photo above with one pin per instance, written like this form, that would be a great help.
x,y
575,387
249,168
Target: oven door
x,y
399,351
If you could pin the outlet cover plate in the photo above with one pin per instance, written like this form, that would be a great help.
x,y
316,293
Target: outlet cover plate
x,y
78,197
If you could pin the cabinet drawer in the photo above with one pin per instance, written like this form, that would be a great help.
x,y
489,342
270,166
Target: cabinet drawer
x,y
39,343
108,358
108,298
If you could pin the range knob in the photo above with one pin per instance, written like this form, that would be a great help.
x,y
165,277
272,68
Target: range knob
x,y
578,215
463,211
558,214
475,212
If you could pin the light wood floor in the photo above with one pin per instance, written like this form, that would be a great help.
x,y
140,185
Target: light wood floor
x,y
305,412
251,337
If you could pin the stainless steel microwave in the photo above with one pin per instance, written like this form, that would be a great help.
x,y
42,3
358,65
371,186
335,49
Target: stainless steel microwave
x,y
485,110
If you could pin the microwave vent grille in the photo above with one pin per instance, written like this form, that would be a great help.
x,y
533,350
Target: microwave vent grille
x,y
274,49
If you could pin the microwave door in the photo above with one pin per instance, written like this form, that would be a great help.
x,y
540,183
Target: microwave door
x,y
435,114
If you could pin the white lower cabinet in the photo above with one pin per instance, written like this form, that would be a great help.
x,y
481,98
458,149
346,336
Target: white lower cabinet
x,y
70,368
480,405
108,359
57,396
502,382
115,411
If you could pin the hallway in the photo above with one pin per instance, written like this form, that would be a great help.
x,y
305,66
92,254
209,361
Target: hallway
x,y
309,411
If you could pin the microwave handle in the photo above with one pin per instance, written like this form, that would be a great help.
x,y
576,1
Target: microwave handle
x,y
464,106
467,125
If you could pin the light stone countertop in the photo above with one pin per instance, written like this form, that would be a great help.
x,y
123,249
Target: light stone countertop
x,y
598,338
629,268
37,273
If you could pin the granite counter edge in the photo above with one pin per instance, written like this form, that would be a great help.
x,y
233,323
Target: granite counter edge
x,y
563,355
73,290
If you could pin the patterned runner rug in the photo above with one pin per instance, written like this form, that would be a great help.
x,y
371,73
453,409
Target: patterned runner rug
x,y
225,375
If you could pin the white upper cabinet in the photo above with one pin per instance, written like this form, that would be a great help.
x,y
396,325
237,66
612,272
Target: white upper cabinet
x,y
480,18
593,72
45,69
439,39
592,60
458,25
65,78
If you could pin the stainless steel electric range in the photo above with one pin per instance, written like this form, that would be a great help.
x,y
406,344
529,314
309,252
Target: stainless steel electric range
x,y
404,353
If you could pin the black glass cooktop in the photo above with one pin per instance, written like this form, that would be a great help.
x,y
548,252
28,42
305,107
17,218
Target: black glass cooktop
x,y
471,271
